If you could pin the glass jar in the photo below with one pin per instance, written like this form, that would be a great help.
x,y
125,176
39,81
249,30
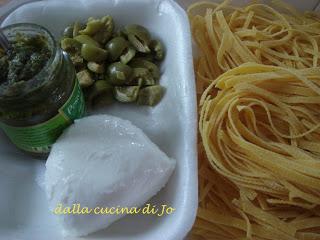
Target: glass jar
x,y
34,113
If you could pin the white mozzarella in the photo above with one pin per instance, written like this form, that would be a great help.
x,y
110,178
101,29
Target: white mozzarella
x,y
103,161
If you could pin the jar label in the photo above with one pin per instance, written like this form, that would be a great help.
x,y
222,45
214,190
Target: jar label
x,y
40,137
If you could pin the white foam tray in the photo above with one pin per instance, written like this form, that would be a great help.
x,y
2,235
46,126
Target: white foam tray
x,y
171,125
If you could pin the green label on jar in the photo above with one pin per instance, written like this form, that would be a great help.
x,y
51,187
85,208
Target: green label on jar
x,y
40,137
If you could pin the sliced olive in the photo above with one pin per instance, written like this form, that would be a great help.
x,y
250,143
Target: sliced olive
x,y
116,47
98,88
102,36
90,19
139,45
107,20
84,78
70,45
105,33
95,67
151,95
85,39
93,54
137,30
141,63
145,56
77,26
119,34
102,100
126,94
76,59
142,77
157,49
128,55
68,32
92,27
138,36
119,73
98,76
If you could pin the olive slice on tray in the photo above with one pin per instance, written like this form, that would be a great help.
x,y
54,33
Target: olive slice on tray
x,y
138,36
119,73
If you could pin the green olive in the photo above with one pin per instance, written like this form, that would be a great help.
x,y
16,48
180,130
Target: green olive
x,y
126,94
105,33
102,100
107,21
151,95
138,36
119,73
90,19
119,48
128,55
141,63
92,27
142,77
84,78
68,32
145,56
97,89
98,76
93,54
76,59
70,45
102,36
76,28
157,49
119,33
116,47
96,68
85,39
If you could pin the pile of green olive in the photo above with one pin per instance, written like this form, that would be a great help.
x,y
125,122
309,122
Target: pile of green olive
x,y
121,65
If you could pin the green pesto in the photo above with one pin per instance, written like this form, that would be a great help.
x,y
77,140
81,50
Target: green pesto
x,y
36,78
26,58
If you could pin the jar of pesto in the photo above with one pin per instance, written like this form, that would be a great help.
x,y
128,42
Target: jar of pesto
x,y
39,93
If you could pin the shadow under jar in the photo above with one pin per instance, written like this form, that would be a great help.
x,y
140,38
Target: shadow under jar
x,y
34,112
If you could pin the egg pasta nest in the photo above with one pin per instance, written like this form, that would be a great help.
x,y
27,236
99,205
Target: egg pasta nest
x,y
258,76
